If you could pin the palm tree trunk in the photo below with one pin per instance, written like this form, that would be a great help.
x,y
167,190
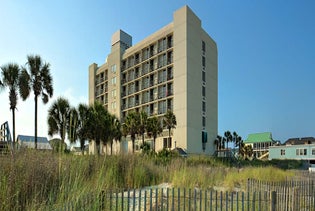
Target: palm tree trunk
x,y
133,145
13,125
35,122
169,135
82,147
154,144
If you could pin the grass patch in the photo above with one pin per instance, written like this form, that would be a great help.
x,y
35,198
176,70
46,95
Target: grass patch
x,y
35,180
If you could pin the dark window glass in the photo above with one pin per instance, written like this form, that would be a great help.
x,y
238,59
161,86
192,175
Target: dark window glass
x,y
203,106
203,46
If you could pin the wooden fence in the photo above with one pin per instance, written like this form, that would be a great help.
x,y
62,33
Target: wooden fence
x,y
290,195
172,199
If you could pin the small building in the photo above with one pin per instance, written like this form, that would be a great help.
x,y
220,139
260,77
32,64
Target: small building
x,y
260,143
29,142
292,152
295,149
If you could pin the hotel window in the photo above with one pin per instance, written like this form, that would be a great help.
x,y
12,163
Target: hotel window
x,y
113,68
162,107
113,93
203,46
203,91
113,80
113,105
203,76
203,61
282,152
167,142
313,151
203,121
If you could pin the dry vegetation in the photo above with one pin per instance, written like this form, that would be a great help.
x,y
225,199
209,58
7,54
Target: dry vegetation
x,y
35,180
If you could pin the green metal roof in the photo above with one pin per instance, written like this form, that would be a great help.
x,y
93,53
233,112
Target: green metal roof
x,y
259,137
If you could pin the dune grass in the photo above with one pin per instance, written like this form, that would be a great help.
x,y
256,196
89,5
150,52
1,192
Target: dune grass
x,y
34,179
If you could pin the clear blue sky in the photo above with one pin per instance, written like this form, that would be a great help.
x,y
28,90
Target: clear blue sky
x,y
266,54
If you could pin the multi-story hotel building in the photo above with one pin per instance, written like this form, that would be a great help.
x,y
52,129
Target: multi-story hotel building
x,y
174,68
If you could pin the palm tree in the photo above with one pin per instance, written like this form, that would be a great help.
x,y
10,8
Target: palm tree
x,y
237,141
82,131
169,122
115,132
218,142
143,118
228,137
131,127
154,128
58,118
73,125
10,78
98,124
36,76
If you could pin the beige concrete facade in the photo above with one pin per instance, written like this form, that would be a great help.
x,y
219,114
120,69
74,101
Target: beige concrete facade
x,y
175,68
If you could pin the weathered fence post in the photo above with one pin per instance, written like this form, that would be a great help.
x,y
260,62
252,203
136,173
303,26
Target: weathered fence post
x,y
273,200
145,200
122,199
139,200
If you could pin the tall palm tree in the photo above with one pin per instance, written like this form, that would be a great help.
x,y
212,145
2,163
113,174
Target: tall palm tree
x,y
131,127
82,130
73,125
218,142
169,122
143,118
115,132
10,78
58,118
237,141
36,76
228,137
154,128
98,124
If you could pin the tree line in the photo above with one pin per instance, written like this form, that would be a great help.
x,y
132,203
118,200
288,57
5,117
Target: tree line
x,y
222,142
94,122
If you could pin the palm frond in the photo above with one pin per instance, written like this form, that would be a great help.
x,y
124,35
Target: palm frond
x,y
24,84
